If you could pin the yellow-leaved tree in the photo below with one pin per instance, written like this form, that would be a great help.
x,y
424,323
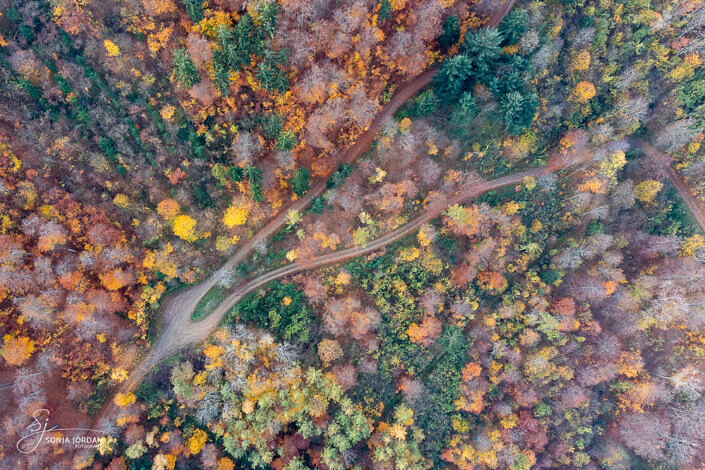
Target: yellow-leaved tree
x,y
584,91
17,349
185,228
197,441
124,399
236,214
581,60
112,48
647,190
613,164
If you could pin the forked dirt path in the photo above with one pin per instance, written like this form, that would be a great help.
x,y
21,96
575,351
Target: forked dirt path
x,y
178,330
179,306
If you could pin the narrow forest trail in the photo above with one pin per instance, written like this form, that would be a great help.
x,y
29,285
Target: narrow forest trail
x,y
695,205
178,330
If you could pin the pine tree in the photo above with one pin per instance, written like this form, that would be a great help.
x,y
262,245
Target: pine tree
x,y
484,48
271,71
253,174
299,182
453,78
221,72
451,32
519,110
267,15
465,111
426,103
186,71
194,10
514,26
271,125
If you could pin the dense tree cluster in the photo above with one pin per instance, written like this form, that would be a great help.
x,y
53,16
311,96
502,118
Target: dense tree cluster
x,y
555,322
481,60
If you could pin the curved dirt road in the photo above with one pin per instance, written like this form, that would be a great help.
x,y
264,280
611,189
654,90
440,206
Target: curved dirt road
x,y
186,299
178,307
178,329
182,331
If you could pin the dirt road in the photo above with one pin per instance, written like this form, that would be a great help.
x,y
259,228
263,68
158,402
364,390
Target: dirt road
x,y
178,330
182,331
177,308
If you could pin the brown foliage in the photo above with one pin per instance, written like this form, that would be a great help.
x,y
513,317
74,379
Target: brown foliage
x,y
427,332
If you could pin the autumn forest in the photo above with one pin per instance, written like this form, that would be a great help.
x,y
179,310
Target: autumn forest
x,y
352,234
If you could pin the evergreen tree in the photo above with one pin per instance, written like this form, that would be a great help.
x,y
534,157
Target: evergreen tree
x,y
465,111
519,110
484,48
221,72
452,78
271,71
318,205
256,192
186,72
194,10
267,15
513,26
253,174
234,173
286,140
299,182
384,9
248,42
271,125
338,177
514,79
451,32
426,103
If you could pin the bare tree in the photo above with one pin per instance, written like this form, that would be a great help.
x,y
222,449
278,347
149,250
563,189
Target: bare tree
x,y
675,135
246,148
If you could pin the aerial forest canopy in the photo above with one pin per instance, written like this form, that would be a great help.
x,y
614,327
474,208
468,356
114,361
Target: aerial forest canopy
x,y
363,234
